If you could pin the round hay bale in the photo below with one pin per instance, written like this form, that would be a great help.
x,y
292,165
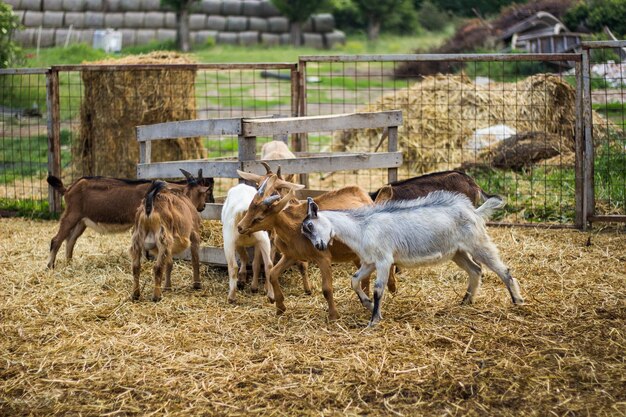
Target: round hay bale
x,y
114,20
228,38
231,7
53,19
441,113
278,24
130,5
53,5
145,36
201,37
249,38
251,8
313,40
75,19
336,37
25,37
134,19
236,23
86,36
258,23
129,37
74,5
94,20
323,23
268,9
270,39
166,35
33,19
154,20
211,6
170,20
47,37
216,23
112,6
115,102
197,22
30,5
94,5
150,5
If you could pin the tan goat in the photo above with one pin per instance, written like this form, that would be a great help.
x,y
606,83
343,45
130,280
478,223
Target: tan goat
x,y
283,214
277,149
167,223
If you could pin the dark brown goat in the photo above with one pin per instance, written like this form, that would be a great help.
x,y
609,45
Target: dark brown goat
x,y
107,205
167,222
454,181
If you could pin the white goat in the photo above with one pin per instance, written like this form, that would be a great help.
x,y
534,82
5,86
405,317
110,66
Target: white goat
x,y
237,201
431,229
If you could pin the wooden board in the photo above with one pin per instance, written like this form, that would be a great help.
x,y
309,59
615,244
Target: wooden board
x,y
189,129
289,125
328,163
171,169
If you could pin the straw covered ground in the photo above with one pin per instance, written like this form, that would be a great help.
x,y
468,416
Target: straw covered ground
x,y
74,343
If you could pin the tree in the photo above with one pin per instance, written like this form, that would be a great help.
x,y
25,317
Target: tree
x,y
298,11
181,8
9,51
375,12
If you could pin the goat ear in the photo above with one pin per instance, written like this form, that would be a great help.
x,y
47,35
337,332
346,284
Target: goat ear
x,y
312,208
283,202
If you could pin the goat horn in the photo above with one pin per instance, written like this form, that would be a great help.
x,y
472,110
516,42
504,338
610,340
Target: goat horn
x,y
188,176
200,174
278,173
262,187
267,167
269,200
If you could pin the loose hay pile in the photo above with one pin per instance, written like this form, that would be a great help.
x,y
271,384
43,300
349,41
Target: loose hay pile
x,y
441,113
116,101
73,342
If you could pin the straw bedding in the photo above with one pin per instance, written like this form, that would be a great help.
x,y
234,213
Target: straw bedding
x,y
74,343
442,112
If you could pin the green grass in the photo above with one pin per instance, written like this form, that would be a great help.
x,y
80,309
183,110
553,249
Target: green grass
x,y
27,157
615,112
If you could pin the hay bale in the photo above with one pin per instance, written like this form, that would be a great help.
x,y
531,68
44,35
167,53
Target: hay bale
x,y
442,112
520,151
115,102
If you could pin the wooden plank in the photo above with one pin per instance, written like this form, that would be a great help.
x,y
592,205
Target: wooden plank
x,y
289,125
189,129
208,255
171,169
54,138
212,211
392,146
329,163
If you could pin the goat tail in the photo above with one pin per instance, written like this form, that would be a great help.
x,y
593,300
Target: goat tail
x,y
56,183
493,203
151,195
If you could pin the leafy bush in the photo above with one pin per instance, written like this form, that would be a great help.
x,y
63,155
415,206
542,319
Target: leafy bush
x,y
431,17
10,53
595,14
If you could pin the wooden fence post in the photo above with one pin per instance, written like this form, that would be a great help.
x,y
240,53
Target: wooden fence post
x,y
54,136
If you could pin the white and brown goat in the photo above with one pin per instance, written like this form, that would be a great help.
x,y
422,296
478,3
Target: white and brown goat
x,y
237,201
167,222
106,205
284,214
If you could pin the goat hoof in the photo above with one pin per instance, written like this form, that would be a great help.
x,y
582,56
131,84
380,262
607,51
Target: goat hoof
x,y
232,301
135,296
197,286
167,288
308,291
271,299
240,285
156,298
466,300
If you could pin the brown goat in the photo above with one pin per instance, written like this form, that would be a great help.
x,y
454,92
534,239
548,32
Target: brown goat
x,y
411,188
284,215
107,205
167,222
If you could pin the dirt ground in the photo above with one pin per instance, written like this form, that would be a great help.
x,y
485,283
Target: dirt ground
x,y
73,343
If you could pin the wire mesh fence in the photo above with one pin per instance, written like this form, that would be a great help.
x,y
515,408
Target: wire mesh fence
x,y
607,95
513,122
510,121
23,142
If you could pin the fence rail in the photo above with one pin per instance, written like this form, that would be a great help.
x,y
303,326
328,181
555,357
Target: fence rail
x,y
558,156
